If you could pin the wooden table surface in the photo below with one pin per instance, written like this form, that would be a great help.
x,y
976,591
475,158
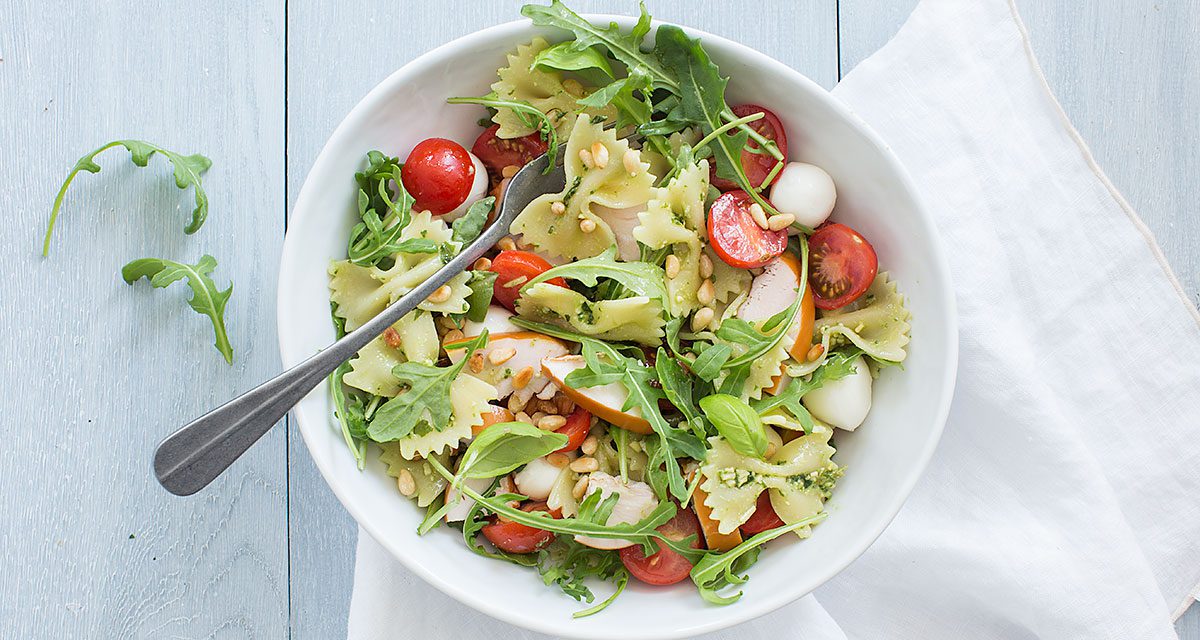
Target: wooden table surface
x,y
97,372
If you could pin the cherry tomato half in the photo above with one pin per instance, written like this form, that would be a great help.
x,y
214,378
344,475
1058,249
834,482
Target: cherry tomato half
x,y
438,175
515,537
497,153
665,566
756,165
763,518
578,425
509,266
736,238
842,264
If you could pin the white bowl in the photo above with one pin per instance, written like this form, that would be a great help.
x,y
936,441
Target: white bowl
x,y
883,458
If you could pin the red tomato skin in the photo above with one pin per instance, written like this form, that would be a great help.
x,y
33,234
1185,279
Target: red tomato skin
x,y
510,265
665,566
763,518
438,175
757,166
736,238
497,153
838,248
579,423
514,537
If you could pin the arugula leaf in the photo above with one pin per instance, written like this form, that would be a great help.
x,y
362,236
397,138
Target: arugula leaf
x,y
838,364
206,298
708,365
569,564
483,286
571,56
642,278
677,386
531,116
502,448
473,525
187,172
737,423
426,400
416,245
471,224
385,209
716,571
350,411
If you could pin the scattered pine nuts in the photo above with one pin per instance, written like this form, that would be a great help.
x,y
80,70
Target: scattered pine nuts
x,y
585,157
506,244
551,423
522,378
524,417
781,221
815,352
558,208
515,403
706,266
558,459
599,154
406,483
482,264
392,338
502,355
760,216
590,444
672,266
475,364
441,295
702,318
580,488
706,293
452,336
587,225
510,171
585,465
632,162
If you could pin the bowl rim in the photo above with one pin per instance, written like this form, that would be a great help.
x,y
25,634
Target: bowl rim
x,y
744,610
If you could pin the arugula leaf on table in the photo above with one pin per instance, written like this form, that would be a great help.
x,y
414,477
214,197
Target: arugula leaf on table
x,y
716,571
501,448
385,209
187,172
426,398
206,298
471,224
737,423
838,364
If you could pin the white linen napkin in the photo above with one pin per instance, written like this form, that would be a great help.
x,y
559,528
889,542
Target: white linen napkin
x,y
1064,499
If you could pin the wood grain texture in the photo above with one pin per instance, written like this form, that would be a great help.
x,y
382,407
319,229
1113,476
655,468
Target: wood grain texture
x,y
96,371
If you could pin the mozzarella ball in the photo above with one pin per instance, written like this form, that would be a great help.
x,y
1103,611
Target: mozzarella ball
x,y
478,190
805,191
460,504
844,402
537,479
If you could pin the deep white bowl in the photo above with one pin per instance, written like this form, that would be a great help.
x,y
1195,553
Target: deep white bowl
x,y
884,457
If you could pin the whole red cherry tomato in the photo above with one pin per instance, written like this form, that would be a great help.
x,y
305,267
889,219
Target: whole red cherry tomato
x,y
438,175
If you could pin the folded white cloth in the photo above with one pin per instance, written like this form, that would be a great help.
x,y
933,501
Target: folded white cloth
x,y
1064,500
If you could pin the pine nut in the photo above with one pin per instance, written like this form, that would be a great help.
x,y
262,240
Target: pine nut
x,y
760,216
392,338
506,244
587,225
524,417
558,208
551,423
702,318
632,162
706,266
781,221
482,264
599,154
452,336
522,378
589,446
500,356
771,448
441,295
585,157
706,293
585,465
475,364
406,483
537,417
672,266
815,352
580,488
510,171
566,406
515,403
558,459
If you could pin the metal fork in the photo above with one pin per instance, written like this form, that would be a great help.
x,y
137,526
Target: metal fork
x,y
187,460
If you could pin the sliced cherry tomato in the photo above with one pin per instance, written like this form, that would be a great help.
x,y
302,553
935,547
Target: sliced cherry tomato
x,y
763,518
756,165
736,238
842,264
438,175
509,266
492,415
665,566
497,153
515,537
578,425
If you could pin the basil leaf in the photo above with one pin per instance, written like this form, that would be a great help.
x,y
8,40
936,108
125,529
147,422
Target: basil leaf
x,y
483,285
206,298
502,448
471,224
187,172
737,423
426,399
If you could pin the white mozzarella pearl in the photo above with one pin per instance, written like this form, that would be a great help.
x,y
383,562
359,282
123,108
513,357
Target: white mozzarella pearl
x,y
845,402
805,191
